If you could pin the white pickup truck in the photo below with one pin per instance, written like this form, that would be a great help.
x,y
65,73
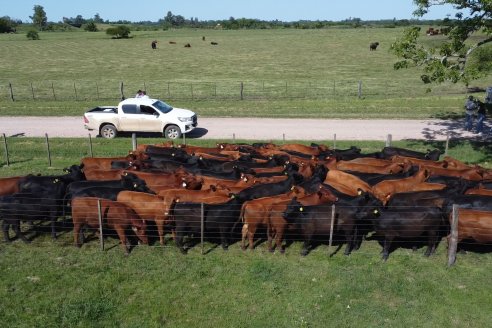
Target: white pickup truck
x,y
140,115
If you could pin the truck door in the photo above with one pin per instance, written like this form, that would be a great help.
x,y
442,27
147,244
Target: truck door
x,y
149,119
129,118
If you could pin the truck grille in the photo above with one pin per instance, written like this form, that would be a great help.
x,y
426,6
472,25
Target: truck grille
x,y
194,120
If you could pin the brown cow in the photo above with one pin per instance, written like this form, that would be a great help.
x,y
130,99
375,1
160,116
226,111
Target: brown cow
x,y
390,168
479,191
148,207
346,182
9,186
474,224
115,215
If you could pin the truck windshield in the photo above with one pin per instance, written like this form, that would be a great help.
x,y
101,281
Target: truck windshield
x,y
162,106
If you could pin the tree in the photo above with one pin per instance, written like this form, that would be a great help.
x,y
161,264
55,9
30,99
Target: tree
x,y
98,19
7,25
91,27
452,59
39,18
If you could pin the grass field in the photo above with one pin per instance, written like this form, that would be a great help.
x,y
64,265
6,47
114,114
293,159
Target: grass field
x,y
282,71
53,284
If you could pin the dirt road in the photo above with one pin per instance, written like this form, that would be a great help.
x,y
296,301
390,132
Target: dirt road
x,y
261,129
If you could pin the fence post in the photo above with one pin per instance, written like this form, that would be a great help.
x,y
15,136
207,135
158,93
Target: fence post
x,y
134,141
121,91
101,237
453,238
283,137
359,90
168,90
447,145
334,89
241,90
334,141
332,223
202,227
215,90
75,90
97,90
90,146
48,149
184,138
11,92
191,88
234,138
6,149
32,91
388,140
53,89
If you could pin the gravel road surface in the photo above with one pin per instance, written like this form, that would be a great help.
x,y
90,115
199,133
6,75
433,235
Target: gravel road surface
x,y
261,128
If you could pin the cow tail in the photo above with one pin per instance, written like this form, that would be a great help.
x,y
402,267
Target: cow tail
x,y
241,217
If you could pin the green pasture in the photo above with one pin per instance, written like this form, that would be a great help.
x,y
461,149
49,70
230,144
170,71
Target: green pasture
x,y
275,72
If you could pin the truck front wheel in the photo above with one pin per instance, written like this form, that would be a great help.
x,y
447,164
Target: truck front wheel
x,y
108,131
172,132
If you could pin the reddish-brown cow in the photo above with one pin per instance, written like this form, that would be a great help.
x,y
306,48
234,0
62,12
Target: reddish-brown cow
x,y
116,216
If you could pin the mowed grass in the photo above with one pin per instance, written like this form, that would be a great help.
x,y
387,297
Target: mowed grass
x,y
285,73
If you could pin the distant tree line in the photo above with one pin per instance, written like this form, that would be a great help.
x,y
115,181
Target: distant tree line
x,y
170,20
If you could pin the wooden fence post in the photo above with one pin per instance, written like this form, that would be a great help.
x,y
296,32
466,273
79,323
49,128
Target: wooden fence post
x,y
134,141
447,145
48,149
191,88
202,227
53,90
11,92
241,90
359,89
75,90
6,150
97,90
32,91
234,138
101,237
388,140
332,223
122,95
90,146
334,141
453,238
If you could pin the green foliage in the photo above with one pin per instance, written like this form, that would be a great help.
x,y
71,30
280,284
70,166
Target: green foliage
x,y
447,61
7,25
119,32
91,27
39,18
32,35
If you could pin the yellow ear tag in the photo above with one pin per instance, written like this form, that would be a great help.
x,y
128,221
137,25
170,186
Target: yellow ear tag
x,y
375,211
301,209
134,185
184,184
359,192
233,196
56,180
292,188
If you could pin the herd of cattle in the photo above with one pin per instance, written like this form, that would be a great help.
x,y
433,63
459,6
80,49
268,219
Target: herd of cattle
x,y
232,191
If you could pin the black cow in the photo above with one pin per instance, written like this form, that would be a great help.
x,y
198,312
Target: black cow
x,y
373,46
407,220
432,155
219,220
27,207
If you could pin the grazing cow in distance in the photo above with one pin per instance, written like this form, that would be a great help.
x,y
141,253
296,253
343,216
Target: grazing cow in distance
x,y
203,38
373,46
172,42
187,45
214,43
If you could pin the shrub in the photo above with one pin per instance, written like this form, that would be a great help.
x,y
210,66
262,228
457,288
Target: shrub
x,y
119,32
91,27
32,35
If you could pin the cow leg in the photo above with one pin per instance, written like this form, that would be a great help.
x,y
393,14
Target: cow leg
x,y
279,237
78,235
5,229
386,248
123,240
244,235
350,240
53,228
432,243
160,231
251,235
179,239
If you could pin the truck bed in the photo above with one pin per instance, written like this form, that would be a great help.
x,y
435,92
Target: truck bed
x,y
104,109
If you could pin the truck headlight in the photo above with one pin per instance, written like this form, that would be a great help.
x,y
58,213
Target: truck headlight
x,y
184,119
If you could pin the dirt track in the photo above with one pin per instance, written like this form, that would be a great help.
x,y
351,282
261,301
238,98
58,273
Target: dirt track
x,y
261,129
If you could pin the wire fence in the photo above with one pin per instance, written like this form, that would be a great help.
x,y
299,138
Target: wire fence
x,y
195,224
63,90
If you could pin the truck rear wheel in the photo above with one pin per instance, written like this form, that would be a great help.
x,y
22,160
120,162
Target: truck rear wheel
x,y
172,132
108,131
